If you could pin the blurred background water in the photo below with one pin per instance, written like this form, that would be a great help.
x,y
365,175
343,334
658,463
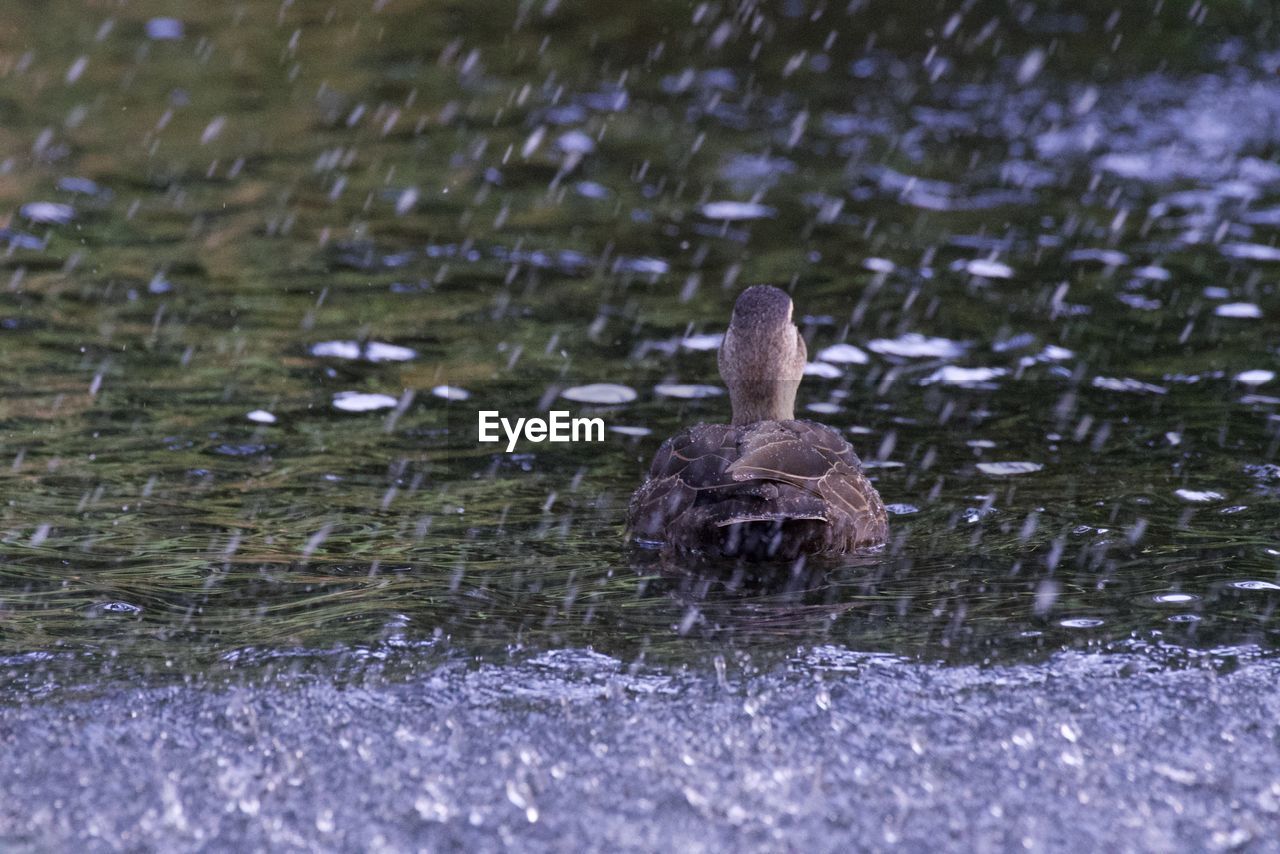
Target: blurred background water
x,y
262,264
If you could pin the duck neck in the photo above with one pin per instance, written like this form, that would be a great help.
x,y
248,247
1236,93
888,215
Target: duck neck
x,y
765,401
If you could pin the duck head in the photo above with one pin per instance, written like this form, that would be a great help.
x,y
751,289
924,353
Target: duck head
x,y
762,357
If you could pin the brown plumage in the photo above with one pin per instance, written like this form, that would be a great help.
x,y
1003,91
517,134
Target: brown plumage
x,y
767,485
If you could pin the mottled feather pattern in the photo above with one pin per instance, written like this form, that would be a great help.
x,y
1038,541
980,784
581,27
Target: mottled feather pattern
x,y
710,483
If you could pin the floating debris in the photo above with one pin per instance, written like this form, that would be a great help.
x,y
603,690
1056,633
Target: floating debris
x,y
449,392
844,354
1009,468
916,346
261,416
1238,309
603,394
358,401
1198,497
48,213
370,351
687,391
958,376
736,211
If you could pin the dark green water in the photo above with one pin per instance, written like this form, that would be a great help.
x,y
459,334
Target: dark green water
x,y
517,193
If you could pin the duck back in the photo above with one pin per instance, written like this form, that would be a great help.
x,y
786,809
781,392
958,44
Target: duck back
x,y
767,490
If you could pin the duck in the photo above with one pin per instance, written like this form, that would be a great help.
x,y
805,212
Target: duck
x,y
766,486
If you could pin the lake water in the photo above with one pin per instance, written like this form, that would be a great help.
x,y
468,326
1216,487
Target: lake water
x,y
263,263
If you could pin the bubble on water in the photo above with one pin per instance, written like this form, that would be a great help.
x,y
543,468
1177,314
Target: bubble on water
x,y
1126,384
603,394
1253,585
736,211
822,369
1246,310
116,608
1251,251
902,509
1009,468
48,213
626,430
1257,376
358,401
705,341
450,392
916,346
844,354
164,29
965,377
83,186
372,351
1198,496
1155,274
1081,623
690,391
261,416
988,269
1174,598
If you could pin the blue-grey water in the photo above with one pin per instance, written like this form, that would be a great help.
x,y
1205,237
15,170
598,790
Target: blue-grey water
x,y
261,265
